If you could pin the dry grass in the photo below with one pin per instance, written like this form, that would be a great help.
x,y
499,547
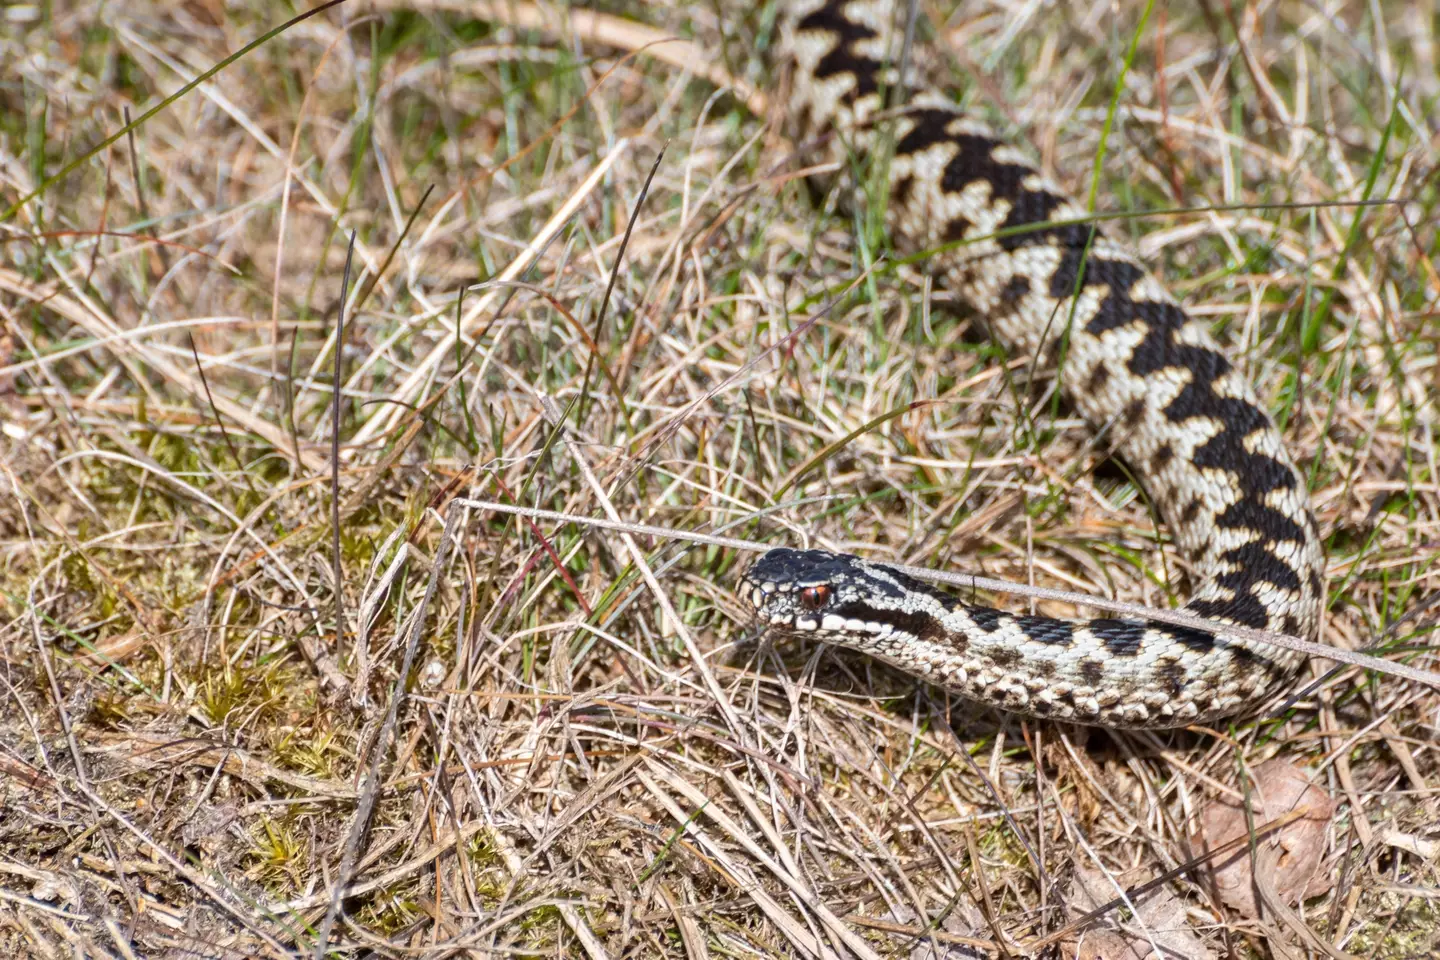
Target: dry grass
x,y
182,740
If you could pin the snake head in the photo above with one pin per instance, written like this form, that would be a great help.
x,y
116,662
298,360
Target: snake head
x,y
838,598
790,591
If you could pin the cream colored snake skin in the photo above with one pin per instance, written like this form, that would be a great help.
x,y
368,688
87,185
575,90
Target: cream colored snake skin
x,y
1180,413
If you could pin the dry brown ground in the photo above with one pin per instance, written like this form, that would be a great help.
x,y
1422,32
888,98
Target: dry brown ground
x,y
183,742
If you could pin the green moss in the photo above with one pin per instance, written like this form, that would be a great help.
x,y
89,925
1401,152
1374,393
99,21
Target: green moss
x,y
278,856
1403,927
392,909
243,692
314,751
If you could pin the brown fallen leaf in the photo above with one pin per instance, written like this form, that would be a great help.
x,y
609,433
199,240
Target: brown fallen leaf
x,y
1159,922
1289,856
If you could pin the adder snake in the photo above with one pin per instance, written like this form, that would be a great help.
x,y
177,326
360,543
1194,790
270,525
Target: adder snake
x,y
1181,414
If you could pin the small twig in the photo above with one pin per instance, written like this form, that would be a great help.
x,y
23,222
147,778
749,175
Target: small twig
x,y
205,382
293,430
335,565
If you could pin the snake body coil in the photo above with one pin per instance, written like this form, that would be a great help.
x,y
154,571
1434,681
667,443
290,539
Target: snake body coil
x,y
1182,415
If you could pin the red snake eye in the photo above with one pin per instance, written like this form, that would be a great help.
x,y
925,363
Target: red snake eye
x,y
813,598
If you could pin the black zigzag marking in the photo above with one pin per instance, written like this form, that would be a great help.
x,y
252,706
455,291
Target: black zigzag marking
x,y
1046,629
1122,638
843,59
1255,474
974,161
986,618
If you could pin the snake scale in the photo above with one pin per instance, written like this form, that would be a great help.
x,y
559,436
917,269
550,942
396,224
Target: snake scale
x,y
1180,413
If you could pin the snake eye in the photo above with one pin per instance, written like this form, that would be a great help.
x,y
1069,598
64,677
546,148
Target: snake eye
x,y
813,598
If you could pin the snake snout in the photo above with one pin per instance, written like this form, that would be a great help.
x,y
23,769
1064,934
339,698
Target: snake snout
x,y
771,604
